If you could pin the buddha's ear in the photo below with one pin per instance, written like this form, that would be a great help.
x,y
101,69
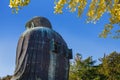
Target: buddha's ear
x,y
28,25
32,25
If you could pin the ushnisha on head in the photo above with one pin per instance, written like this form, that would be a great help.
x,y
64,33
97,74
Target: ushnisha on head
x,y
38,22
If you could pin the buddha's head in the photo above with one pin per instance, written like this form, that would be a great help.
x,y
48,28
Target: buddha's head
x,y
38,22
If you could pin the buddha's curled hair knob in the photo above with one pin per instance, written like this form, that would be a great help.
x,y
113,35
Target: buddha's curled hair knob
x,y
38,22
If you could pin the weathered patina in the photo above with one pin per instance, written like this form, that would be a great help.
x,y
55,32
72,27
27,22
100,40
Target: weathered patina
x,y
42,54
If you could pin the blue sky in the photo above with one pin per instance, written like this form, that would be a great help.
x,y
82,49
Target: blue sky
x,y
81,37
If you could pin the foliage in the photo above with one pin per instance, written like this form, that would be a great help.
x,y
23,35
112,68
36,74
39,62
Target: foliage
x,y
8,77
85,69
17,4
96,9
110,66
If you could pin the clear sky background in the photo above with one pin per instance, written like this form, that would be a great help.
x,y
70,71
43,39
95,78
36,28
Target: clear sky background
x,y
81,37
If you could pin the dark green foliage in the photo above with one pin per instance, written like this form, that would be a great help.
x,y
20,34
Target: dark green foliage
x,y
8,77
110,66
85,69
